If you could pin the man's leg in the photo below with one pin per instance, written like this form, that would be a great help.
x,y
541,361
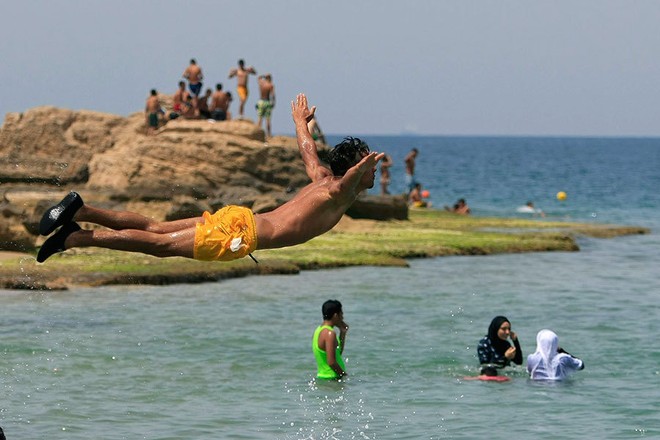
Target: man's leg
x,y
133,232
72,208
120,220
174,244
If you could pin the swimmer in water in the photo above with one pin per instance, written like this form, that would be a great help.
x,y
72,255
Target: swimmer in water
x,y
495,349
550,361
327,346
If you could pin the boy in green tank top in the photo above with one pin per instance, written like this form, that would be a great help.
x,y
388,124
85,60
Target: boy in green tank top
x,y
327,345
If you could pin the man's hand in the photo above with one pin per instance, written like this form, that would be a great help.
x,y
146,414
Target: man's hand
x,y
370,160
300,110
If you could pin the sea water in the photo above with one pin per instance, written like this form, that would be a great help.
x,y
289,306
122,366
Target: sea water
x,y
232,359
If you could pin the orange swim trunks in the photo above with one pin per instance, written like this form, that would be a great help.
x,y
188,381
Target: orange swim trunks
x,y
242,92
229,234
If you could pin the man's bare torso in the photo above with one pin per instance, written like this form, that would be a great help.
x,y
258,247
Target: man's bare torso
x,y
313,211
241,77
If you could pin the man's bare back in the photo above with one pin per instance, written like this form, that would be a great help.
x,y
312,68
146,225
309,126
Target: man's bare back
x,y
266,87
193,74
219,100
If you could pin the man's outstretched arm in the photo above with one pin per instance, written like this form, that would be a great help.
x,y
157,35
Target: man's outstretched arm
x,y
306,145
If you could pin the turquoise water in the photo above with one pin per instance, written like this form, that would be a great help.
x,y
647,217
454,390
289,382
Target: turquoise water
x,y
233,359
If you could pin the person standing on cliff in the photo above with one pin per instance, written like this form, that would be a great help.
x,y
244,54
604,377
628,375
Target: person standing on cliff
x,y
194,75
266,102
152,111
219,103
234,231
241,73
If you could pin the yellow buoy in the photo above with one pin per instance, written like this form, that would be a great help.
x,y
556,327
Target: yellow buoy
x,y
561,195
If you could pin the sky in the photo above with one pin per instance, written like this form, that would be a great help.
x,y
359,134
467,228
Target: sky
x,y
427,67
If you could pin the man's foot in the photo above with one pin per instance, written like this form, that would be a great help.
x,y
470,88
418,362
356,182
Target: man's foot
x,y
61,213
55,243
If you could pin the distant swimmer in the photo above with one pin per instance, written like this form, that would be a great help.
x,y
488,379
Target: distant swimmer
x,y
529,208
549,361
234,231
327,345
460,207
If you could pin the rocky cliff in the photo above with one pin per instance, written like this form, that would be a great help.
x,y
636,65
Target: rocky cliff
x,y
60,147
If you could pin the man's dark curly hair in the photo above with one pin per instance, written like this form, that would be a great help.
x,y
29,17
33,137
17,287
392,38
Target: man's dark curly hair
x,y
346,154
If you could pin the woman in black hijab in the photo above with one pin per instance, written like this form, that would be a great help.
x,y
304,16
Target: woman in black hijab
x,y
495,349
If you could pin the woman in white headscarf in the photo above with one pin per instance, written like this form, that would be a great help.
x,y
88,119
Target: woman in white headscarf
x,y
549,361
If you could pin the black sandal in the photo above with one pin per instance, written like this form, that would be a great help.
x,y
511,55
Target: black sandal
x,y
55,243
60,214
